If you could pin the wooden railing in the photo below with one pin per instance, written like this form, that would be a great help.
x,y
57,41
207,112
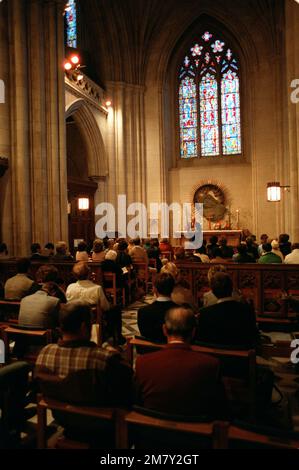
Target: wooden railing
x,y
264,284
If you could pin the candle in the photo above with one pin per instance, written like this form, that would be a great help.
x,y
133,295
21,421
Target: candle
x,y
238,219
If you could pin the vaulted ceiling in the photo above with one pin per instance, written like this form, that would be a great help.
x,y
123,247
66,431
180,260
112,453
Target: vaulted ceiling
x,y
125,38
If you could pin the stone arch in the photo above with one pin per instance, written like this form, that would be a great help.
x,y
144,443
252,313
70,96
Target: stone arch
x,y
96,153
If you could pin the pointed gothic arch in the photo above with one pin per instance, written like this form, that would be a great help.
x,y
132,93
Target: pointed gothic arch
x,y
96,157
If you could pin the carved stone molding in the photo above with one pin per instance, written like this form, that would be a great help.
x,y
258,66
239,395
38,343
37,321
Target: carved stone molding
x,y
98,178
3,165
86,89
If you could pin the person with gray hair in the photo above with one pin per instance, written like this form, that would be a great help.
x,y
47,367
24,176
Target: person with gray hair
x,y
176,379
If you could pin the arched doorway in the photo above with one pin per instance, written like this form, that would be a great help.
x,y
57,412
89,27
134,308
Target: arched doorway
x,y
85,163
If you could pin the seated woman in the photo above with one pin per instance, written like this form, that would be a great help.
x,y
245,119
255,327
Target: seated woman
x,y
111,265
154,253
48,274
81,254
98,253
123,258
165,246
181,294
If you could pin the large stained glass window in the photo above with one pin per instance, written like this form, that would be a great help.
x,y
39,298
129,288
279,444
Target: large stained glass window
x,y
209,100
71,23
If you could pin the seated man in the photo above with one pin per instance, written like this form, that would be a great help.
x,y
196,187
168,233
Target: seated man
x,y
177,380
93,294
77,371
228,322
138,253
62,253
243,256
268,257
36,253
151,318
20,285
39,310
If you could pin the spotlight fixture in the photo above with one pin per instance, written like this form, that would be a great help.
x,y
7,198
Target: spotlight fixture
x,y
73,67
67,65
75,60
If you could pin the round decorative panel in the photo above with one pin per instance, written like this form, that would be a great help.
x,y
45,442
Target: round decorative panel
x,y
213,199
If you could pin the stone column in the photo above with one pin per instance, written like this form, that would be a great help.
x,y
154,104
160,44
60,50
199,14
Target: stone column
x,y
55,121
19,173
37,94
292,73
126,142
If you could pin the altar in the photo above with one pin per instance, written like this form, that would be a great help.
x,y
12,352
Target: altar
x,y
233,237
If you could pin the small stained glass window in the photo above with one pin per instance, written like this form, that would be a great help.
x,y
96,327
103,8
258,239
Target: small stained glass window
x,y
71,23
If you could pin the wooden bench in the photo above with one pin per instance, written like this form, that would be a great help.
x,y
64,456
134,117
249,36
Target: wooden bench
x,y
274,439
142,275
110,287
44,404
9,332
135,423
249,356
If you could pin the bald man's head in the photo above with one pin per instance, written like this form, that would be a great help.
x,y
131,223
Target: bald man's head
x,y
180,323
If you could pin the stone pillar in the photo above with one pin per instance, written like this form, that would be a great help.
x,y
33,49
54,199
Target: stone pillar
x,y
55,121
101,194
37,94
5,147
19,173
126,142
292,73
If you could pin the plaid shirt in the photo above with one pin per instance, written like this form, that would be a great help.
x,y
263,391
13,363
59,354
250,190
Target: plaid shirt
x,y
109,377
66,357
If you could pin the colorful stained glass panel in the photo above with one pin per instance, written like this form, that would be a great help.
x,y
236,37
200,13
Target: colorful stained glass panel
x,y
231,115
188,118
209,101
208,92
71,24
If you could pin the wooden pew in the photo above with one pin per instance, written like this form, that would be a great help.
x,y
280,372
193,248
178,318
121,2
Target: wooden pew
x,y
137,422
110,287
255,437
9,332
9,311
249,356
44,404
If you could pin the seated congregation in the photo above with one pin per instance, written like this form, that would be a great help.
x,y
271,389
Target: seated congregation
x,y
192,360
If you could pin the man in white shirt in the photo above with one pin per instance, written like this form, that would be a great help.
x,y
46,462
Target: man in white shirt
x,y
293,258
86,290
93,294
